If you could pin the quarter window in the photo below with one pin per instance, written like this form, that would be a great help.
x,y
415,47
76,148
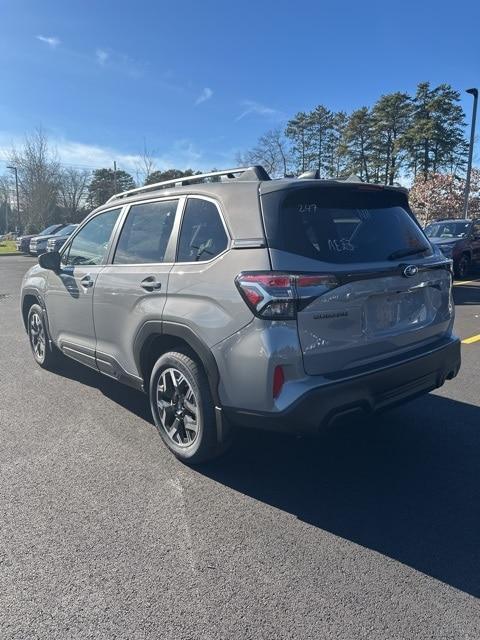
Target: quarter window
x,y
90,245
203,235
146,233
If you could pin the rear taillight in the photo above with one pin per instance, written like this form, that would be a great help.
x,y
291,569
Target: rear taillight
x,y
278,296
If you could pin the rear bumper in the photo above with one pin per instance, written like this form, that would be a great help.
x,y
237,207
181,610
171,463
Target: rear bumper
x,y
372,391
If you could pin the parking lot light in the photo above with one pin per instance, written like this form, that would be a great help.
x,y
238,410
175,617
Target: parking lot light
x,y
474,93
16,189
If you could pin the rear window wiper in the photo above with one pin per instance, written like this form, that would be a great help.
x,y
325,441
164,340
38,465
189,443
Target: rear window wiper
x,y
403,253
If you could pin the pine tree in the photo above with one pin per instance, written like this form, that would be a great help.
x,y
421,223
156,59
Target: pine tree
x,y
321,122
336,148
391,117
435,139
105,183
358,138
300,132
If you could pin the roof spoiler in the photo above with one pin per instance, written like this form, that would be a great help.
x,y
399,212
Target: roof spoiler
x,y
315,175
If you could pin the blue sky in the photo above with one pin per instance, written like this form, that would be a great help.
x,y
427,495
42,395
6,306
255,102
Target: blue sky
x,y
202,80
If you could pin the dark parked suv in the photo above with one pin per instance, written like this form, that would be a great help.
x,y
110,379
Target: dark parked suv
x,y
458,240
233,299
56,242
23,242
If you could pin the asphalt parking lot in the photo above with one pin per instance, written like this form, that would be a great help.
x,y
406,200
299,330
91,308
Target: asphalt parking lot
x,y
371,532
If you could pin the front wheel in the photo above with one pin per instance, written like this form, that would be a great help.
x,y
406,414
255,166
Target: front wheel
x,y
462,267
183,408
45,354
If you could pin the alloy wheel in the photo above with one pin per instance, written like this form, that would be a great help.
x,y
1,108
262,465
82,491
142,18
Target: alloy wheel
x,y
37,336
177,407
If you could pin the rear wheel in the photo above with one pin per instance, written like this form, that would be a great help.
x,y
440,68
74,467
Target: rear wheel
x,y
45,355
462,266
183,408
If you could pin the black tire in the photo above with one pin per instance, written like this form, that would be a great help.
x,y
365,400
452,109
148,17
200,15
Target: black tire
x,y
44,354
462,266
197,407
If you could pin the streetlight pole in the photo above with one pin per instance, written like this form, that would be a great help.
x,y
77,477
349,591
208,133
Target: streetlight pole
x,y
474,93
16,189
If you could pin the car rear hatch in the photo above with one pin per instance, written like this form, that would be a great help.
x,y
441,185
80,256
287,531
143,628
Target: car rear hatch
x,y
389,293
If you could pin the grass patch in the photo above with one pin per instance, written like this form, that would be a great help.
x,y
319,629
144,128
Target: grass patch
x,y
7,246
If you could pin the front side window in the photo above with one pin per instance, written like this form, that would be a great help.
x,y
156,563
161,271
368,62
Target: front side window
x,y
203,235
146,232
90,245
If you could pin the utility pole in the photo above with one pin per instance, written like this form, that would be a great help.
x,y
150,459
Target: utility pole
x,y
115,176
474,93
18,199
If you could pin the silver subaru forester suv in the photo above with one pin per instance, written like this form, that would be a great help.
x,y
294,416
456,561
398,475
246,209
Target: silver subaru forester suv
x,y
237,300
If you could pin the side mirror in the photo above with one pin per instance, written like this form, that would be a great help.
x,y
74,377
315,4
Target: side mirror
x,y
50,261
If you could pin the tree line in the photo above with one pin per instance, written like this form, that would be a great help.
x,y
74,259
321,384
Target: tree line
x,y
399,136
420,138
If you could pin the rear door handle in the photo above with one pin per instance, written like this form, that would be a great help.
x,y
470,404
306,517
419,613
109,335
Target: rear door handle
x,y
150,284
86,281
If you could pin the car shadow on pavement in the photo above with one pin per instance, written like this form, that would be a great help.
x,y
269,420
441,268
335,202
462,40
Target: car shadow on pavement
x,y
405,484
127,397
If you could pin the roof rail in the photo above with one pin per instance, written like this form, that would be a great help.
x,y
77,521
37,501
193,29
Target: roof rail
x,y
255,172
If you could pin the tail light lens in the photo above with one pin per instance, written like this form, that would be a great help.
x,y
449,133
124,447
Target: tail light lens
x,y
278,296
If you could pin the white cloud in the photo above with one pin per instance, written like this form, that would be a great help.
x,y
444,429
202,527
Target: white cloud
x,y
259,109
181,154
206,94
52,41
102,56
119,62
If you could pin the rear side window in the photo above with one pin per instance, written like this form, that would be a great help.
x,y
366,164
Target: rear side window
x,y
146,233
203,235
342,225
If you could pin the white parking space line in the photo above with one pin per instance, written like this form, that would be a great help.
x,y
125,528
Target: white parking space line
x,y
460,283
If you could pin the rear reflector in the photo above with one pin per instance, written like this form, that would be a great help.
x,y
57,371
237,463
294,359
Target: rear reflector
x,y
278,380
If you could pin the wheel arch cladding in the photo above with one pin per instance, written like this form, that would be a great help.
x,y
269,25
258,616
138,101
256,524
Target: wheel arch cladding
x,y
155,338
29,299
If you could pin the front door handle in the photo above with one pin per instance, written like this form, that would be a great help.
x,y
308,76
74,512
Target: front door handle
x,y
150,284
86,281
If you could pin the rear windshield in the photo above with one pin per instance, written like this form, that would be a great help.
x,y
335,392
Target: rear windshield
x,y
50,230
66,231
343,225
448,230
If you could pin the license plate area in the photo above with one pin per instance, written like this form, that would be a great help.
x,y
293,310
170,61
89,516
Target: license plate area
x,y
396,312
